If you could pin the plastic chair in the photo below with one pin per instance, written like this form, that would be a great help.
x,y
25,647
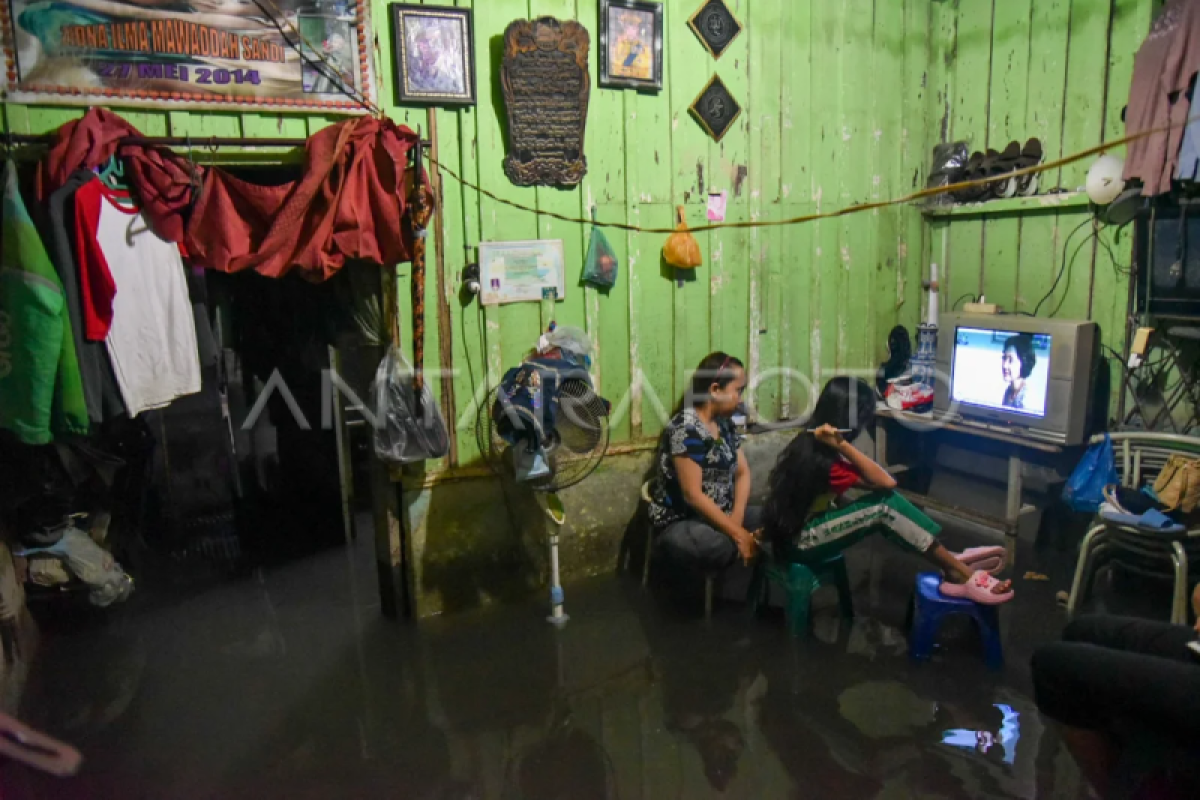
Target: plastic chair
x,y
710,579
1140,457
929,607
799,580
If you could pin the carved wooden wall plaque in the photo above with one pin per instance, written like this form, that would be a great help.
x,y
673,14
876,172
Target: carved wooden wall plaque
x,y
546,87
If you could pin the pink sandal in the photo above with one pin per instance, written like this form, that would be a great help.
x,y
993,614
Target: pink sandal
x,y
978,588
984,559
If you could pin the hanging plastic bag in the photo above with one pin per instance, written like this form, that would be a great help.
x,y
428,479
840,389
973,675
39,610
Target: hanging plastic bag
x,y
404,433
949,166
600,268
572,342
682,250
1097,469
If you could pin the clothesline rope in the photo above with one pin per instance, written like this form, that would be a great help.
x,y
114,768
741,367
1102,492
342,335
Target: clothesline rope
x,y
842,212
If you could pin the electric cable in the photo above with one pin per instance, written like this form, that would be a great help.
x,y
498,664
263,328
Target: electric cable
x,y
1062,269
1070,271
971,295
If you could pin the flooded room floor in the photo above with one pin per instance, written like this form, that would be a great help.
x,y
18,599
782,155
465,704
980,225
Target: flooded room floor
x,y
289,684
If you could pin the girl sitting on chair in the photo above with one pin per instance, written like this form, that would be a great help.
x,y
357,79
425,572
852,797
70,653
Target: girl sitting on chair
x,y
821,465
699,497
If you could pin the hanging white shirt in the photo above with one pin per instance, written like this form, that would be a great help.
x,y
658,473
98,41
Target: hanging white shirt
x,y
151,338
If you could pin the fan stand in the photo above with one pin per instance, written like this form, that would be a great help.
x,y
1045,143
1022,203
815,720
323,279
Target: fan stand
x,y
556,516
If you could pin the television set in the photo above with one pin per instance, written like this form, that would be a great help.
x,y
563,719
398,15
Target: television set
x,y
1027,376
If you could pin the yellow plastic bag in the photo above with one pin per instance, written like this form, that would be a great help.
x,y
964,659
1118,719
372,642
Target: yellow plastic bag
x,y
682,250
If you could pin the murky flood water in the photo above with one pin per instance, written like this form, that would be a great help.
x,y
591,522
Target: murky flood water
x,y
288,684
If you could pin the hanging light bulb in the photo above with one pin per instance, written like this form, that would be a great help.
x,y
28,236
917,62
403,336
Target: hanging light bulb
x,y
1104,181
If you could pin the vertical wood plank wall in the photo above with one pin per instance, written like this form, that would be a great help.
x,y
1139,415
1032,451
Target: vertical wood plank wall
x,y
834,113
1059,70
843,100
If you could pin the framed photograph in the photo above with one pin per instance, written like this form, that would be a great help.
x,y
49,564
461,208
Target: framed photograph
x,y
333,58
516,272
631,44
434,55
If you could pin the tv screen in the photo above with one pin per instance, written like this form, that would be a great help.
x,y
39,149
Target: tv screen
x,y
1003,370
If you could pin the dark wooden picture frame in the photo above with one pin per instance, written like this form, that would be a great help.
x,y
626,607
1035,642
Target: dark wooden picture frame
x,y
716,109
433,49
616,76
716,26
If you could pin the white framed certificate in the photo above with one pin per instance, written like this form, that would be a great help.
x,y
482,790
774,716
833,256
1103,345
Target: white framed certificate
x,y
517,272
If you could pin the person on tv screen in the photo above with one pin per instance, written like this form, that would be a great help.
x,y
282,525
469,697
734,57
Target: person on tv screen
x,y
1016,365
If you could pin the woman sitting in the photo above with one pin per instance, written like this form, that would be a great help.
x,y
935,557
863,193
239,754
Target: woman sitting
x,y
699,495
1117,683
821,465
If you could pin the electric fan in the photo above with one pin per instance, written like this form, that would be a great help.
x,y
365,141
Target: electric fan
x,y
568,440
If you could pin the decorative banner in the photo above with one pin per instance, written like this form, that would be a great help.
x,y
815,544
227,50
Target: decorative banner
x,y
197,53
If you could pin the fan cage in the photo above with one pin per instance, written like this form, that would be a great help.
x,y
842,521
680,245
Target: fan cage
x,y
574,448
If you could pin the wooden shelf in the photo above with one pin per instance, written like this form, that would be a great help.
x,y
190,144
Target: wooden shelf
x,y
1016,205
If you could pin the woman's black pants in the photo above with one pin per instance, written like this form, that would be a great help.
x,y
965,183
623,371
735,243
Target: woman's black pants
x,y
1121,675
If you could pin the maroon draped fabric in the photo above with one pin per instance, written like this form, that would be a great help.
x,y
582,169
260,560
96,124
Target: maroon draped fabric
x,y
349,203
163,181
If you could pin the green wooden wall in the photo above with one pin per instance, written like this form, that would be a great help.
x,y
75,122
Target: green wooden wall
x,y
834,114
843,100
1055,69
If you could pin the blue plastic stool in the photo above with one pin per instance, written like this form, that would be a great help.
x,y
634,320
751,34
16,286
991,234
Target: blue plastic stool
x,y
799,581
929,607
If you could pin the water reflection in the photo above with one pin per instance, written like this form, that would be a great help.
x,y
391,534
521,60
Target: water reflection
x,y
983,741
633,700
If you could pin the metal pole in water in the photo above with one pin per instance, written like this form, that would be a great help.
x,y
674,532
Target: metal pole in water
x,y
557,615
556,514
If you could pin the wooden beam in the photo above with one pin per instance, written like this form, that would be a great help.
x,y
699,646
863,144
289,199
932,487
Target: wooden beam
x,y
445,326
385,500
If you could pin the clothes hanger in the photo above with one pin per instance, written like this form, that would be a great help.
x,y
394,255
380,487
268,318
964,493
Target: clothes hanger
x,y
113,171
112,175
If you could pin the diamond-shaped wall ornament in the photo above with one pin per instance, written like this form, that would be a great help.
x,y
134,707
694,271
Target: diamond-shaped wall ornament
x,y
716,26
715,109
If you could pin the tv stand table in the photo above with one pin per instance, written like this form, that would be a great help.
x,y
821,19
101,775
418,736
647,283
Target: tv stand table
x,y
1015,508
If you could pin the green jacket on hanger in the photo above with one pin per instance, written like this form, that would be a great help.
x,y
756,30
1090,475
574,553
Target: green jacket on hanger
x,y
41,393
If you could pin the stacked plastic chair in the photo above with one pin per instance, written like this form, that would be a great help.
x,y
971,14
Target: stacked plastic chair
x,y
1166,555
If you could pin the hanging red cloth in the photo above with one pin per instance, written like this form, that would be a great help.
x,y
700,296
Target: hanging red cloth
x,y
164,182
350,203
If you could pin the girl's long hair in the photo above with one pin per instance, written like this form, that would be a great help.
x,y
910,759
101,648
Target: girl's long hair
x,y
718,368
801,474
